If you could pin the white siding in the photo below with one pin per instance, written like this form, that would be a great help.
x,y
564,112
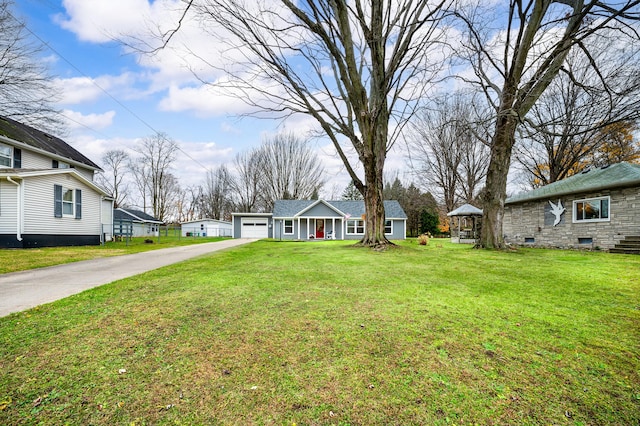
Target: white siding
x,y
107,212
87,173
38,207
34,160
8,207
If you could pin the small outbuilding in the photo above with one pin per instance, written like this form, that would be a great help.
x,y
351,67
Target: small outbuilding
x,y
136,223
207,228
465,224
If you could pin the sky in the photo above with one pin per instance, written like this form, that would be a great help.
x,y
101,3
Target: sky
x,y
113,98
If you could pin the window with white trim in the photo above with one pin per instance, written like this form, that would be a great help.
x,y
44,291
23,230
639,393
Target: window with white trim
x,y
288,226
355,227
68,202
591,210
388,226
6,155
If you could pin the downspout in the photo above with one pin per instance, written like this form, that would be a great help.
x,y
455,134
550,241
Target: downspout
x,y
19,208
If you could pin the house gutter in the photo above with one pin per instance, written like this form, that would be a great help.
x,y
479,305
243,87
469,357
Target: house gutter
x,y
19,207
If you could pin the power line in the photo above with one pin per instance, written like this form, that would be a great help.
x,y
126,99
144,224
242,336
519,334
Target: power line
x,y
103,90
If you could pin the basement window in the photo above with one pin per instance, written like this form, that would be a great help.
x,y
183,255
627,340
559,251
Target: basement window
x,y
585,240
529,240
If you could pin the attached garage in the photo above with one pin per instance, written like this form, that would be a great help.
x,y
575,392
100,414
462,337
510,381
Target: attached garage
x,y
256,225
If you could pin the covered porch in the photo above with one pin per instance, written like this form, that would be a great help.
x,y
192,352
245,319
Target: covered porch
x,y
310,228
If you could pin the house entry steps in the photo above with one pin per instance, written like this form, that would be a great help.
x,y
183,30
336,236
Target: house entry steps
x,y
628,245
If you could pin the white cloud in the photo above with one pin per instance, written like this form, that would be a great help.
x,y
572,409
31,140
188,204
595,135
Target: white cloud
x,y
77,120
101,20
204,101
77,90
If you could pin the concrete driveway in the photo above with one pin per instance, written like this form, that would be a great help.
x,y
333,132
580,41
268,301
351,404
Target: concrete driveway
x,y
27,289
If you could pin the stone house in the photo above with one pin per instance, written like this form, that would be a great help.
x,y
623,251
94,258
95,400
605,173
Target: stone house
x,y
598,208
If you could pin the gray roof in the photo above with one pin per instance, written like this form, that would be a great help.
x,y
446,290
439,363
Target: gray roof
x,y
133,215
618,175
40,140
466,210
292,208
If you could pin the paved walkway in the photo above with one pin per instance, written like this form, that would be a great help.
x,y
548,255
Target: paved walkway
x,y
26,289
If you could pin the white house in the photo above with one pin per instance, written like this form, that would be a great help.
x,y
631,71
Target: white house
x,y
47,193
207,228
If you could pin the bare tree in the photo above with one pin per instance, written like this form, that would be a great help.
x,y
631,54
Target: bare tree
x,y
566,127
356,67
448,149
26,92
115,165
515,63
215,202
167,197
245,182
152,170
187,205
291,170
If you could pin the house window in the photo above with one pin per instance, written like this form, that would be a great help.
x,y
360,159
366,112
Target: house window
x,y
388,227
288,226
591,210
67,202
6,155
355,227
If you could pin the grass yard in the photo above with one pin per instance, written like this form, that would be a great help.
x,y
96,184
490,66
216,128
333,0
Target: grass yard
x,y
12,260
324,333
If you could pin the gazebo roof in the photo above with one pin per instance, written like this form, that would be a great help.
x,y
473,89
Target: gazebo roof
x,y
466,210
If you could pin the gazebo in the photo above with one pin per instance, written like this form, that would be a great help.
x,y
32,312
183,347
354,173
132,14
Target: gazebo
x,y
465,224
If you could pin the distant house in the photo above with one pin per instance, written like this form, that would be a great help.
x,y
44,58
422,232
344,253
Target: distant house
x,y
207,228
317,219
47,193
142,224
598,208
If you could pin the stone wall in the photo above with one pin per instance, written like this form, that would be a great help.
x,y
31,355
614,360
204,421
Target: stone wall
x,y
531,223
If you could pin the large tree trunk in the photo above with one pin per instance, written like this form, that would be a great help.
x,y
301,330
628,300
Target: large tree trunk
x,y
496,182
374,204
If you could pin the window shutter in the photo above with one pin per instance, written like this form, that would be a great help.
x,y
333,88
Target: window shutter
x,y
17,158
78,204
57,200
54,164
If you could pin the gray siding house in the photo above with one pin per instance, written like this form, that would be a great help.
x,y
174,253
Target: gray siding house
x,y
141,224
317,219
597,208
47,193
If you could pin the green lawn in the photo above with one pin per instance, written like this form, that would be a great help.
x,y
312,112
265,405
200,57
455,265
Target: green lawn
x,y
12,260
325,333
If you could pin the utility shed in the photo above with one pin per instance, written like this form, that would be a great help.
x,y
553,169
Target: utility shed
x,y
207,228
595,209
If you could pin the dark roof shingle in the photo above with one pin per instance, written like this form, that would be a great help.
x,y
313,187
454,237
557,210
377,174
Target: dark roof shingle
x,y
37,139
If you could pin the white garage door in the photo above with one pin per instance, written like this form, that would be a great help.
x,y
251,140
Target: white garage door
x,y
255,227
